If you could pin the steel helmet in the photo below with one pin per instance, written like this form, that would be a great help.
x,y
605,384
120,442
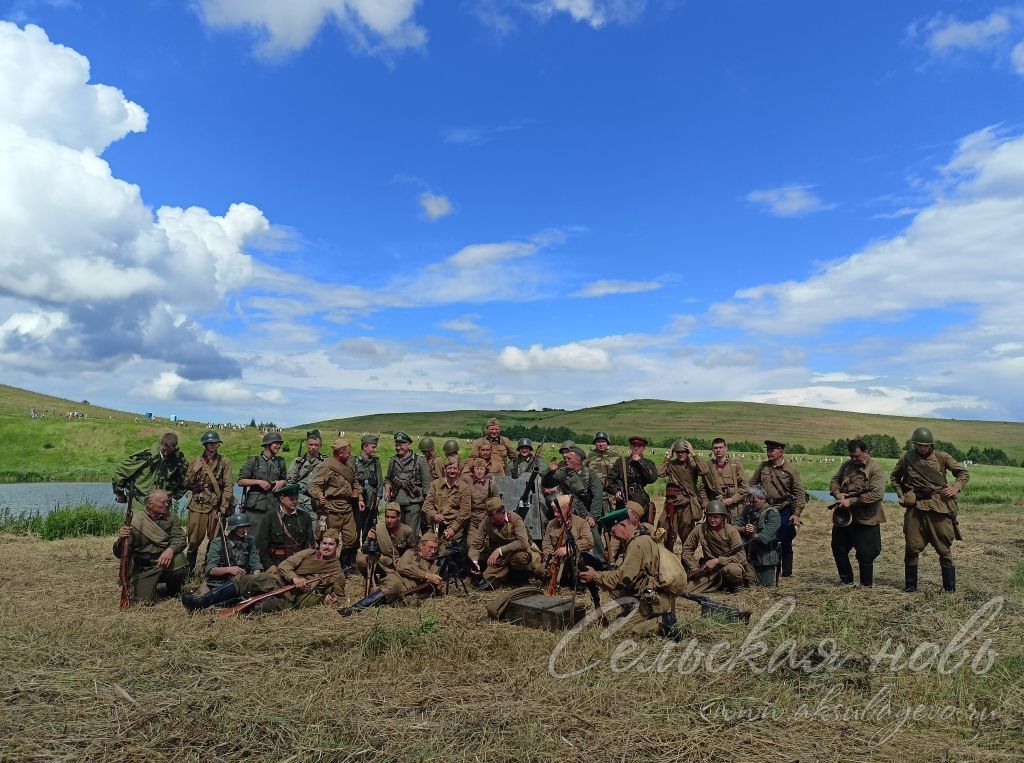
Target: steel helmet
x,y
209,436
526,442
679,446
426,444
451,447
922,436
716,507
272,437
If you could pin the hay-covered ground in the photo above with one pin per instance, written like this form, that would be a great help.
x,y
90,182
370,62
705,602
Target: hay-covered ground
x,y
86,682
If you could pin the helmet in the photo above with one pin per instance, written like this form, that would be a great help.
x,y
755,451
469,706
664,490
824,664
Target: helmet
x,y
526,442
272,437
842,516
426,444
601,436
209,436
716,507
566,445
451,447
238,520
679,445
922,436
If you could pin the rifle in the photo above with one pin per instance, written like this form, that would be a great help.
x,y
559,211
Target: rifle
x,y
523,508
554,566
711,608
122,570
454,565
227,612
224,539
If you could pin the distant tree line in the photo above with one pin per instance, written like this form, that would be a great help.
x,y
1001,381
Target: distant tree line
x,y
886,446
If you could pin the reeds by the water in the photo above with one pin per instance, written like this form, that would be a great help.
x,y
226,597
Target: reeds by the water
x,y
63,522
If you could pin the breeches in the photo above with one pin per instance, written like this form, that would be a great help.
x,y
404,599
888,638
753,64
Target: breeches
x,y
345,524
727,575
200,527
928,528
866,539
144,582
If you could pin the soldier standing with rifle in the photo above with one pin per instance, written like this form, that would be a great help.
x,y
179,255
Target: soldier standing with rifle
x,y
371,480
919,480
858,487
781,482
684,502
407,482
260,476
302,469
629,476
601,458
209,480
584,485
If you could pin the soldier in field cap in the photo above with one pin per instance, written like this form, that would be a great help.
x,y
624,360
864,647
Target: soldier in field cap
x,y
502,448
781,482
336,492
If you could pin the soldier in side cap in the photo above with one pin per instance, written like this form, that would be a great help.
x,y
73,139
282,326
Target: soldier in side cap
x,y
601,458
781,482
291,529
260,476
302,468
371,482
501,447
336,493
640,472
554,547
504,544
416,568
385,543
226,561
211,500
407,482
723,557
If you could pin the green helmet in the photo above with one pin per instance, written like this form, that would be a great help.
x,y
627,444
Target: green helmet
x,y
526,442
272,437
209,436
426,444
679,446
716,507
238,520
922,436
566,446
451,447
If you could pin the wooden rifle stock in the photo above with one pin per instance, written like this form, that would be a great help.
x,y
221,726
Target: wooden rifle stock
x,y
555,566
126,543
241,607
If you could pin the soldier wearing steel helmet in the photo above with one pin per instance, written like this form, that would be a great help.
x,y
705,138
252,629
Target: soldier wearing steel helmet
x,y
684,499
602,457
723,559
211,500
226,561
260,476
524,460
303,467
919,480
371,482
451,452
858,488
435,464
407,482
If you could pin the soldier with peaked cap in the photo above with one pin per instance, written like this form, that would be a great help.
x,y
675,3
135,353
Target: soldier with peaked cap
x,y
781,482
336,493
302,469
209,480
386,542
601,458
157,547
226,561
639,473
501,447
448,505
371,482
504,544
919,479
525,461
291,530
684,500
723,558
260,476
858,488
407,482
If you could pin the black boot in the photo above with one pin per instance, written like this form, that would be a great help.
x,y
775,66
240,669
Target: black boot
x,y
226,592
786,562
375,598
667,627
911,577
949,579
191,568
348,560
846,570
867,574
484,586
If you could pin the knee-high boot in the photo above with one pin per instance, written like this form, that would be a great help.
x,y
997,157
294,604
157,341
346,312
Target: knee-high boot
x,y
374,599
226,592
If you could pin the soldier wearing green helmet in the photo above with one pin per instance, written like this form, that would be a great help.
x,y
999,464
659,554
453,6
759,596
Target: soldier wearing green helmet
x,y
919,480
436,465
684,500
602,457
302,470
723,561
229,555
525,460
211,500
260,476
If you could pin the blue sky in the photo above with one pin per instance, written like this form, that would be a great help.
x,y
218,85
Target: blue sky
x,y
298,210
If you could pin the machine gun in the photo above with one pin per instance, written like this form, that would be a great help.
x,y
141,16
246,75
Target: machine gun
x,y
455,566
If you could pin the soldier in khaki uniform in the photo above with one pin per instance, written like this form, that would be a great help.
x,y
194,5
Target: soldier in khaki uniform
x,y
434,464
919,480
723,558
637,577
724,479
386,542
301,472
640,472
336,493
291,530
503,541
554,546
448,505
299,570
601,458
684,501
156,544
260,476
415,569
481,488
209,480
501,447
407,482
781,482
858,488
759,525
451,453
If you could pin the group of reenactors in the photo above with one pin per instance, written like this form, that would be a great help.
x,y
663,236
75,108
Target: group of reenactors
x,y
300,527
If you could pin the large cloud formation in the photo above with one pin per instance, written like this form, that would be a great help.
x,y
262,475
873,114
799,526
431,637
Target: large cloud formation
x,y
92,278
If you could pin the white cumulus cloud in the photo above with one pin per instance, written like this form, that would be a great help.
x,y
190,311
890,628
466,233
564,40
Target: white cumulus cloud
x,y
943,33
573,356
435,206
789,200
604,288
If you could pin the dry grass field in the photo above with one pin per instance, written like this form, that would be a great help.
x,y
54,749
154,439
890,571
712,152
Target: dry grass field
x,y
437,680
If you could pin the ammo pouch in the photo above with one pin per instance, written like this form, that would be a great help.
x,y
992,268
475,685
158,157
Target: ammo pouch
x,y
280,553
923,495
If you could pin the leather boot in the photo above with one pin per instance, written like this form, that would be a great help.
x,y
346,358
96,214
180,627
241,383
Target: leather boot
x,y
911,578
949,579
867,574
667,627
190,569
845,570
373,600
348,560
786,562
226,592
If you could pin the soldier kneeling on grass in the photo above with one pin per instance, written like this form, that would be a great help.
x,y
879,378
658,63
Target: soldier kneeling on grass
x,y
156,544
503,542
416,571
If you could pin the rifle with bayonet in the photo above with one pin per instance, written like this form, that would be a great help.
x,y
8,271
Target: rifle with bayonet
x,y
123,571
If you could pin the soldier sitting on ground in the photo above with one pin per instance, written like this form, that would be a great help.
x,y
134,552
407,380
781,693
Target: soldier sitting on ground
x,y
225,562
504,543
555,546
386,542
416,569
723,559
156,544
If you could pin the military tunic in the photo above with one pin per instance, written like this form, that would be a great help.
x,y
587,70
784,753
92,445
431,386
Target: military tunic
x,y
682,494
864,485
259,504
151,471
336,493
410,571
148,540
637,577
601,463
242,552
588,497
301,471
453,502
306,563
290,533
641,473
502,450
763,551
726,482
409,479
211,486
480,491
930,521
724,545
371,482
519,465
391,547
785,491
518,554
553,532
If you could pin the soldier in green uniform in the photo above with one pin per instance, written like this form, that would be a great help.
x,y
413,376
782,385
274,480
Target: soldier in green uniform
x,y
601,458
209,480
584,485
858,488
415,569
724,479
302,469
504,543
684,500
161,467
291,529
156,544
407,482
759,523
226,561
371,482
781,482
524,461
723,559
260,476
337,494
501,447
639,473
919,479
